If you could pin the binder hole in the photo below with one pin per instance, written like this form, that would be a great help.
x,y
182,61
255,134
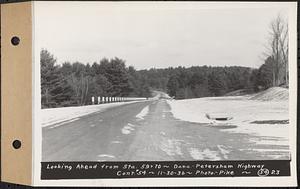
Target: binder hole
x,y
16,144
15,40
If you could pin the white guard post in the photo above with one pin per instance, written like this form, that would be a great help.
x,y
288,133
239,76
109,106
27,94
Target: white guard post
x,y
93,100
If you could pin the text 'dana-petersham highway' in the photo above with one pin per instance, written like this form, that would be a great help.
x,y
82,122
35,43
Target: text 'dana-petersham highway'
x,y
98,170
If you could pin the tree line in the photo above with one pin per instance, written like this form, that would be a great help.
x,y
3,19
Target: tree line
x,y
74,84
201,81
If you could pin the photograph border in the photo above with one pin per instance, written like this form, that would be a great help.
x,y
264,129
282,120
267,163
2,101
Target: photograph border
x,y
213,181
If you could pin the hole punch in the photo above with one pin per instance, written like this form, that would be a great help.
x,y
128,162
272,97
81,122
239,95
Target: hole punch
x,y
17,144
15,40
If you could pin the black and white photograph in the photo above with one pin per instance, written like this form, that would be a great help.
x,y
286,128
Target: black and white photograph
x,y
164,81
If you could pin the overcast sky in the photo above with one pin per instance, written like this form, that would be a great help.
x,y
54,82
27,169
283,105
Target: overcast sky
x,y
157,35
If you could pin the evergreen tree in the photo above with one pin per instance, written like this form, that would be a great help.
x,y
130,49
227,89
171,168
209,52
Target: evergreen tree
x,y
173,85
265,75
116,73
217,84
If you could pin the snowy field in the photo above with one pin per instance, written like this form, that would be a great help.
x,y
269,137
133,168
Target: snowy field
x,y
63,115
245,113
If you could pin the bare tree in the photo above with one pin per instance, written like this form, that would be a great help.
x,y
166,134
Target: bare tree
x,y
284,46
277,49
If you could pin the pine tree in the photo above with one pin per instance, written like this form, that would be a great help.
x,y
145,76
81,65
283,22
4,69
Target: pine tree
x,y
173,85
216,84
116,74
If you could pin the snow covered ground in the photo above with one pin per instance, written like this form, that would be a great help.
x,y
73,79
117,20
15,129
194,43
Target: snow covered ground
x,y
68,114
243,111
272,94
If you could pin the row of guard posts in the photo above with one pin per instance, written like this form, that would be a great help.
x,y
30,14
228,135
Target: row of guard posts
x,y
104,100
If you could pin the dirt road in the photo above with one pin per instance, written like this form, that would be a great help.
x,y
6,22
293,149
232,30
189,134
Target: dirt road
x,y
148,131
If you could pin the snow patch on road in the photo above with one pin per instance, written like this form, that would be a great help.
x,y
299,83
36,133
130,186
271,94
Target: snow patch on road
x,y
53,116
224,151
116,142
171,147
196,154
127,129
143,113
105,157
163,133
203,155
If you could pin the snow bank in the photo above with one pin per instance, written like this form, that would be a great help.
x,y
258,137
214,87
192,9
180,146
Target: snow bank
x,y
57,115
274,93
242,110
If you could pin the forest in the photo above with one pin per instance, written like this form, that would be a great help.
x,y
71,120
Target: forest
x,y
74,84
